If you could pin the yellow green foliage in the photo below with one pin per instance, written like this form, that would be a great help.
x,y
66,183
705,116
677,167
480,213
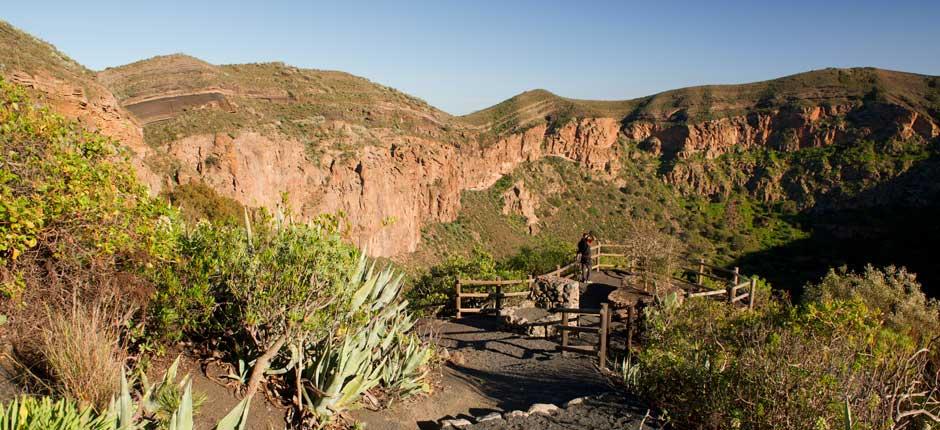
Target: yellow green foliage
x,y
68,195
55,175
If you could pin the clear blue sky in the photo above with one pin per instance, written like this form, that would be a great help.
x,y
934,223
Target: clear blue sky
x,y
466,55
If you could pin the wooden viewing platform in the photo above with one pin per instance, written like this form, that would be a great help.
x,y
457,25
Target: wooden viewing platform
x,y
736,289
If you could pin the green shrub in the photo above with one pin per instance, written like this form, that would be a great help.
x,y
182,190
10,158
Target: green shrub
x,y
542,258
75,224
197,201
709,365
69,192
270,285
892,292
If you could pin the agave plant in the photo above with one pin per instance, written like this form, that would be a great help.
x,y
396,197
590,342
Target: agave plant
x,y
342,374
174,399
124,412
370,353
630,373
30,413
404,371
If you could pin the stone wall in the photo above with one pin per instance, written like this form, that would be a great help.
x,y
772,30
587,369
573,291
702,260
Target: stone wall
x,y
549,291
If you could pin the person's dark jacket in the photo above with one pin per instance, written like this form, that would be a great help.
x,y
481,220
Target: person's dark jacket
x,y
584,249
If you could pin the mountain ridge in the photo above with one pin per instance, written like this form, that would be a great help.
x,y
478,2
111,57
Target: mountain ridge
x,y
312,141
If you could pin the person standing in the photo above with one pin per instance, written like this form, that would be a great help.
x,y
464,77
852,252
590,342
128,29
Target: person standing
x,y
584,254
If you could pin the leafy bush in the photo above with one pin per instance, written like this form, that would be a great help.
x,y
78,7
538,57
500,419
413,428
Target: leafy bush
x,y
75,224
892,292
709,365
270,284
197,201
68,193
542,258
292,296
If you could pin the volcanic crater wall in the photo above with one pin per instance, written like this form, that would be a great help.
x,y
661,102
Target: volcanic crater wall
x,y
389,191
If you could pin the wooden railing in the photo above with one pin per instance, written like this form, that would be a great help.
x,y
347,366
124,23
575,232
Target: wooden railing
x,y
497,295
566,271
737,287
733,281
602,330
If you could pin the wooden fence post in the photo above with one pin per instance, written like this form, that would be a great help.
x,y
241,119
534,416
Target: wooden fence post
x,y
499,298
701,270
602,333
458,299
750,296
564,333
729,291
737,276
630,311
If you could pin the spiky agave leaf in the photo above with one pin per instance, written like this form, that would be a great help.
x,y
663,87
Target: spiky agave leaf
x,y
182,418
237,418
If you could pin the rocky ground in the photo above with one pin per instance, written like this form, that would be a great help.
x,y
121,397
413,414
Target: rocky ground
x,y
606,411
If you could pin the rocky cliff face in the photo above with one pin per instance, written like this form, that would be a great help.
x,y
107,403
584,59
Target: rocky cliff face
x,y
387,191
787,130
518,201
782,130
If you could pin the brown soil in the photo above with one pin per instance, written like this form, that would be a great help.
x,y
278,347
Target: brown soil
x,y
220,398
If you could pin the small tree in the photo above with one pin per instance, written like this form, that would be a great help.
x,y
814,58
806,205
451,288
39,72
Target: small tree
x,y
274,284
287,283
654,251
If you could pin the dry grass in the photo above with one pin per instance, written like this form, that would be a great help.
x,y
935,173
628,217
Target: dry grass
x,y
82,353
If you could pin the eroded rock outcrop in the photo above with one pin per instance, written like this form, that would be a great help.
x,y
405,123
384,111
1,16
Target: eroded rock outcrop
x,y
785,130
518,201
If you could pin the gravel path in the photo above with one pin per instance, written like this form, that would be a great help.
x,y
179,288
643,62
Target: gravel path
x,y
492,370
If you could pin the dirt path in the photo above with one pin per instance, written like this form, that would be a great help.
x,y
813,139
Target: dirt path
x,y
493,370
